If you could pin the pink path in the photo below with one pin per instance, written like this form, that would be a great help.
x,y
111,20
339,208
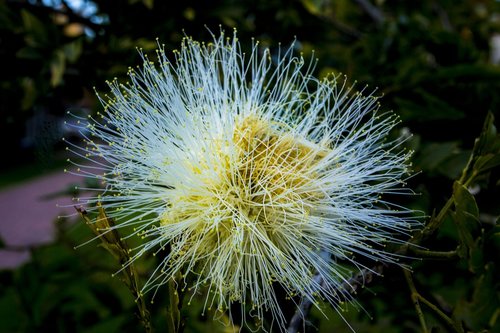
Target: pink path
x,y
27,216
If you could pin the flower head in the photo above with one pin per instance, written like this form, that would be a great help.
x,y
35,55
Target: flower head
x,y
247,169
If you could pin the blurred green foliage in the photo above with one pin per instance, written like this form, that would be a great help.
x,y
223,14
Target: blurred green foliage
x,y
433,62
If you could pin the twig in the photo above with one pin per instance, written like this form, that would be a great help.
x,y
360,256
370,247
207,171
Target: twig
x,y
452,324
430,228
434,254
103,228
417,298
414,297
351,286
303,309
343,28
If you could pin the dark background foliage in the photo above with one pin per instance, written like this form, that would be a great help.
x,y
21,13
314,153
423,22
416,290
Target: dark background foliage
x,y
434,63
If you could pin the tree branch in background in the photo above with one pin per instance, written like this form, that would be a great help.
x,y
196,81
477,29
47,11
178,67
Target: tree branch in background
x,y
372,11
343,28
443,16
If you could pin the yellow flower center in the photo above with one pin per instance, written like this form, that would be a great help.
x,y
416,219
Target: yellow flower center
x,y
260,180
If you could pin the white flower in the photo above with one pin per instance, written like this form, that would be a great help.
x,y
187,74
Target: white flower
x,y
246,168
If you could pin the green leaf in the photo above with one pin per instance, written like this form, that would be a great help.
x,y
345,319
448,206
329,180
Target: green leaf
x,y
487,162
102,227
57,67
487,141
424,106
476,257
113,324
35,29
432,155
313,6
438,108
466,217
30,93
495,232
453,165
487,147
29,53
465,201
482,310
12,318
7,20
149,3
465,72
55,257
73,50
486,151
146,44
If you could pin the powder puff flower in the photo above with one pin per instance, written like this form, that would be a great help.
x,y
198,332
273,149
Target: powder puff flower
x,y
247,169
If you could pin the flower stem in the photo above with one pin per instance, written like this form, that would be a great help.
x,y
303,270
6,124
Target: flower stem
x,y
143,313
